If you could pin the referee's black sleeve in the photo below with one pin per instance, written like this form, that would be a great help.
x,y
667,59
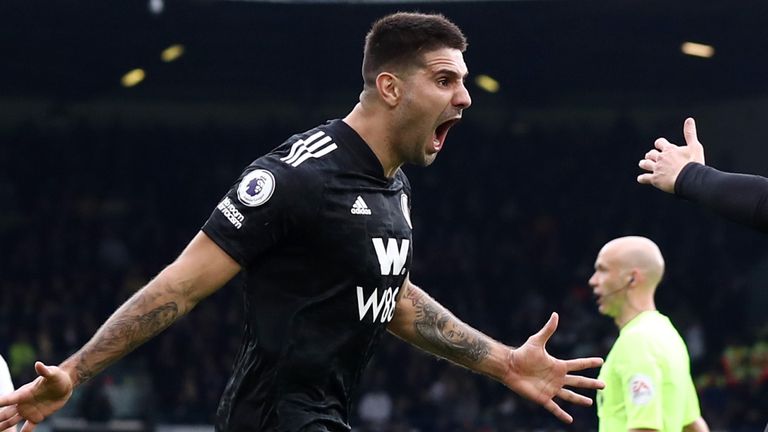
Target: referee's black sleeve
x,y
740,197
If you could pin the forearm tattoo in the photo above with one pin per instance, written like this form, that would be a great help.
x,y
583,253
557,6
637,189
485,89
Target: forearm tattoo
x,y
128,328
444,333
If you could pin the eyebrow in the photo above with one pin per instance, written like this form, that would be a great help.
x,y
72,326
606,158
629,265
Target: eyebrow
x,y
451,72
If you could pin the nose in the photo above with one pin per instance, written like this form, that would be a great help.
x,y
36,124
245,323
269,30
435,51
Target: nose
x,y
461,98
593,281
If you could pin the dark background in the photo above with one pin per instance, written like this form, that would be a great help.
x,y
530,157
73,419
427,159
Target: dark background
x,y
101,186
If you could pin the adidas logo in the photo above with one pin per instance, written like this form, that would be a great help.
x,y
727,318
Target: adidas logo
x,y
359,207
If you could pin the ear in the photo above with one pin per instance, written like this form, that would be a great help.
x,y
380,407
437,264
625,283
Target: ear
x,y
634,277
388,86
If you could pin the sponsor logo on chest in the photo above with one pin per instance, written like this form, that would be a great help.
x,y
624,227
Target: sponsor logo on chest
x,y
380,305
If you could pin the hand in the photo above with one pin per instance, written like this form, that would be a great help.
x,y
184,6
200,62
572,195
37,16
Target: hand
x,y
667,160
536,375
37,400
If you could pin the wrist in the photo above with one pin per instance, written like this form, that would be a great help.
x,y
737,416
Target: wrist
x,y
498,363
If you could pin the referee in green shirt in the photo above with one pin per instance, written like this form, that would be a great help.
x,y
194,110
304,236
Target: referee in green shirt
x,y
647,377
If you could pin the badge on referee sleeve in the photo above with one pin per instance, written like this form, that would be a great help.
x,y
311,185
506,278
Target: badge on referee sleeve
x,y
640,389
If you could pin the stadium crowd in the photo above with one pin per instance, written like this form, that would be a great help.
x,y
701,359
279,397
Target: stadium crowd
x,y
506,226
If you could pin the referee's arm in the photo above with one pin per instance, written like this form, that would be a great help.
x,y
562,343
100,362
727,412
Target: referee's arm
x,y
699,425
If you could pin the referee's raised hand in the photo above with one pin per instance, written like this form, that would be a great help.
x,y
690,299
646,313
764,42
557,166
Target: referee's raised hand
x,y
665,162
36,400
536,375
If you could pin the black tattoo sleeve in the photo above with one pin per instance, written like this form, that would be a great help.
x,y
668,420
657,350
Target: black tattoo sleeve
x,y
445,334
128,328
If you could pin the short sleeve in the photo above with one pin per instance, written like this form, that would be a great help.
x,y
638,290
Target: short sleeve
x,y
692,408
6,385
641,380
267,203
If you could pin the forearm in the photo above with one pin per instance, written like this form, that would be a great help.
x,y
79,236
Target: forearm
x,y
423,322
740,197
698,425
148,312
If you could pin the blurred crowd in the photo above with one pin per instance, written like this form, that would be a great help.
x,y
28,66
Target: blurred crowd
x,y
507,224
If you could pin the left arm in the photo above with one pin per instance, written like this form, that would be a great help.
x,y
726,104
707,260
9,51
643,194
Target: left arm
x,y
528,370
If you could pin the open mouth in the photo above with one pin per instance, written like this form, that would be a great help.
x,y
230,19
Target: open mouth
x,y
442,131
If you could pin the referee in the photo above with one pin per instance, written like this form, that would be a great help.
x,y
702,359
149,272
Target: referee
x,y
648,385
321,229
681,170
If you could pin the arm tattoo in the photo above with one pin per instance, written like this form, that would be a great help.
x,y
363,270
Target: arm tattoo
x,y
444,333
123,332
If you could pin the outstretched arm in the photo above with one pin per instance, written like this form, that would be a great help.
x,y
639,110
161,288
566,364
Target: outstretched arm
x,y
199,271
528,370
681,170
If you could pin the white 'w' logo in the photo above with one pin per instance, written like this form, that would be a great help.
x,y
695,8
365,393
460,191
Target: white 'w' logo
x,y
383,308
303,150
391,259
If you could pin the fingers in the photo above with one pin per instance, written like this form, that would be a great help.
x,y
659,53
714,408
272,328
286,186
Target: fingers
x,y
647,165
581,382
573,397
558,412
645,178
28,426
6,413
9,399
543,335
13,421
653,155
662,144
583,363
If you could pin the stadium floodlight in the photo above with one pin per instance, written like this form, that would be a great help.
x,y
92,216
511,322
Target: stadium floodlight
x,y
133,77
697,50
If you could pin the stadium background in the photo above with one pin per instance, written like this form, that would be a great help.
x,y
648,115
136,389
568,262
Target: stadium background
x,y
101,185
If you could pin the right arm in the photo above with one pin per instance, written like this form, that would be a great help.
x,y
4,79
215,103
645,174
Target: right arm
x,y
681,170
698,425
200,270
739,197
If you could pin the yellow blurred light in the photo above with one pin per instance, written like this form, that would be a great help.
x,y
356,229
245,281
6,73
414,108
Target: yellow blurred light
x,y
133,77
487,83
697,49
172,53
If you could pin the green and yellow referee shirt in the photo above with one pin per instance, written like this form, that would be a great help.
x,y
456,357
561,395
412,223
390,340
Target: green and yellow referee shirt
x,y
647,378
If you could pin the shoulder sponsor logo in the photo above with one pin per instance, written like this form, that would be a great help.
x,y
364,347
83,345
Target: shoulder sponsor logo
x,y
256,188
406,209
316,146
360,207
641,389
228,209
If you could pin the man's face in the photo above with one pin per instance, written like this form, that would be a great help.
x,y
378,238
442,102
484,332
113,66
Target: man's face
x,y
609,283
433,100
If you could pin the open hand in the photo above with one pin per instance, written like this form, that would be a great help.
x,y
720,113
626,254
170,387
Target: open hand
x,y
536,375
665,162
37,400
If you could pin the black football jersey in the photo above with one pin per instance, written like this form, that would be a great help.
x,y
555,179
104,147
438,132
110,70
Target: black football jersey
x,y
324,239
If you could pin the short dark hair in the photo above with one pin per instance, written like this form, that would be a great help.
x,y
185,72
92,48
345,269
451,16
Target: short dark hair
x,y
399,40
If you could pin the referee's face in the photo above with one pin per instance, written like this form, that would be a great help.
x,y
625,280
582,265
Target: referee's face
x,y
433,99
608,282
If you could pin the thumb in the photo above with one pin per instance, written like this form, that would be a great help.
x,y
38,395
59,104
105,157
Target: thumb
x,y
692,140
43,370
543,335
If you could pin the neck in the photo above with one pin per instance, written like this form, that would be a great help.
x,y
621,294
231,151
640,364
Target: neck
x,y
376,134
632,309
